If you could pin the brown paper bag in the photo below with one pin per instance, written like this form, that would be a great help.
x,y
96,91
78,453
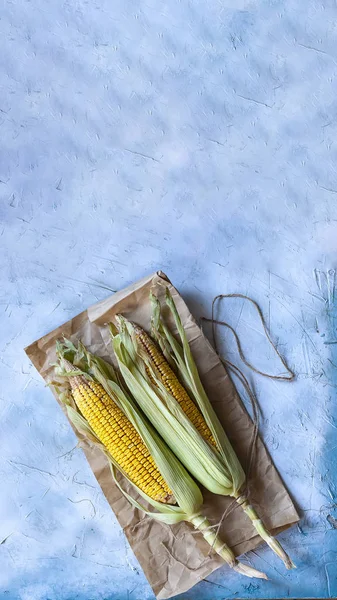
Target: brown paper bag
x,y
174,558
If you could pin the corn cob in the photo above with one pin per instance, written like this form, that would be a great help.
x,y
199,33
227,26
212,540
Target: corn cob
x,y
173,385
120,438
216,466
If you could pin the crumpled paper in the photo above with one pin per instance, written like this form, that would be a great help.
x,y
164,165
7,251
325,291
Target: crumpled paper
x,y
175,558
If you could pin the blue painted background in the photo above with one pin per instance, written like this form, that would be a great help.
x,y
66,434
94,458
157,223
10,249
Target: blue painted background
x,y
196,137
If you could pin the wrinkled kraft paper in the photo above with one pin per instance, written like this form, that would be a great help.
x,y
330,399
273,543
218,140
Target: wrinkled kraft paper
x,y
176,558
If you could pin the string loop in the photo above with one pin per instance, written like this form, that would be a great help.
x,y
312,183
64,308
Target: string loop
x,y
291,374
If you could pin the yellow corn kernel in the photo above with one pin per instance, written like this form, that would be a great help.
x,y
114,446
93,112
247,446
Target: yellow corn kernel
x,y
118,435
173,385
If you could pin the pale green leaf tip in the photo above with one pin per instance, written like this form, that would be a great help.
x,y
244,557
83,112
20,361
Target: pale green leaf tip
x,y
59,351
169,299
122,324
112,327
82,347
64,398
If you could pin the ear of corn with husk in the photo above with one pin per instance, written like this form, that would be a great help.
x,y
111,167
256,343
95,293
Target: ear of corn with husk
x,y
103,411
203,447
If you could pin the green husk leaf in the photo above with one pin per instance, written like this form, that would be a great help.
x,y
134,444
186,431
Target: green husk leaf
x,y
68,355
60,371
170,516
66,349
65,397
158,333
94,361
190,377
190,374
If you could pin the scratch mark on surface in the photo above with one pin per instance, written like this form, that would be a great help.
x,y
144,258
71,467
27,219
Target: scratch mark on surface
x,y
331,274
317,275
216,142
6,538
31,512
313,475
253,100
83,500
57,305
127,560
104,287
30,537
328,189
300,324
313,48
216,584
317,297
69,452
103,564
243,301
118,262
131,592
327,579
74,480
24,220
11,555
300,530
283,279
306,356
330,493
295,285
27,384
143,155
268,563
13,462
269,286
325,418
332,363
46,558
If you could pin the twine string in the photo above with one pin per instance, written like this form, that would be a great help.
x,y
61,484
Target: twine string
x,y
237,372
291,374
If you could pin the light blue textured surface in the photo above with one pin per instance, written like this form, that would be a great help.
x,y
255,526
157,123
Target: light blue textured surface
x,y
196,137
